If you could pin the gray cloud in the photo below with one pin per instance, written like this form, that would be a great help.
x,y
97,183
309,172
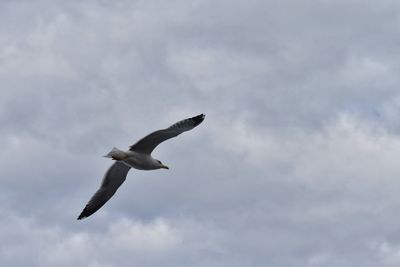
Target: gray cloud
x,y
295,164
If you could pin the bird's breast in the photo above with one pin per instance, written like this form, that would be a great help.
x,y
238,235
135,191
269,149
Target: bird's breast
x,y
139,161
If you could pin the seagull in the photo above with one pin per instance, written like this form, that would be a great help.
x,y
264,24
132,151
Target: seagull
x,y
139,157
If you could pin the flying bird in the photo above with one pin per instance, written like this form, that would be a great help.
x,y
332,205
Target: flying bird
x,y
139,157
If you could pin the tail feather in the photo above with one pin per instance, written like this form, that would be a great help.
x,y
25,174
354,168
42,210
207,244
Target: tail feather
x,y
116,154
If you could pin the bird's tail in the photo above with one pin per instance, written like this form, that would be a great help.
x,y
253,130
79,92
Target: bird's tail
x,y
116,154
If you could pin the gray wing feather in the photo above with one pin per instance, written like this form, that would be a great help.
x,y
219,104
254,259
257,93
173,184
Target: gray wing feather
x,y
113,179
148,143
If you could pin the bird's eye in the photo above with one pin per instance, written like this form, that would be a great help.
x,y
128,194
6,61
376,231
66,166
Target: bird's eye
x,y
159,161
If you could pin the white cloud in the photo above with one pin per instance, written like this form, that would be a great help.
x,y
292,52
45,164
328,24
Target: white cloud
x,y
295,164
54,246
390,255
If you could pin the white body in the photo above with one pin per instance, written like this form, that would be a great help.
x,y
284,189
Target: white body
x,y
141,161
135,159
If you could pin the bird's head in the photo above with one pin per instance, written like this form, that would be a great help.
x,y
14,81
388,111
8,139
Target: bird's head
x,y
162,166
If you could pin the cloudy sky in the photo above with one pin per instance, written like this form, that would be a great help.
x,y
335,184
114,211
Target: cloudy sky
x,y
296,164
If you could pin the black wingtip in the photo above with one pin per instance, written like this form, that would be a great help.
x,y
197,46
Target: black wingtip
x,y
83,215
198,119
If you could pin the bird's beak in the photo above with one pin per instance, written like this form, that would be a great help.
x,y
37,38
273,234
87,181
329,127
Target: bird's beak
x,y
164,167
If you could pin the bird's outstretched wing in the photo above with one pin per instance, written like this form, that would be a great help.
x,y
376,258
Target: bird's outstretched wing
x,y
147,144
113,179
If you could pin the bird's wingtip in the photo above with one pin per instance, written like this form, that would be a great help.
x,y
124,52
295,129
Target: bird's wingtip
x,y
198,119
82,215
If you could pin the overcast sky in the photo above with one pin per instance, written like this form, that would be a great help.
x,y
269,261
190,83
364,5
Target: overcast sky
x,y
296,164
